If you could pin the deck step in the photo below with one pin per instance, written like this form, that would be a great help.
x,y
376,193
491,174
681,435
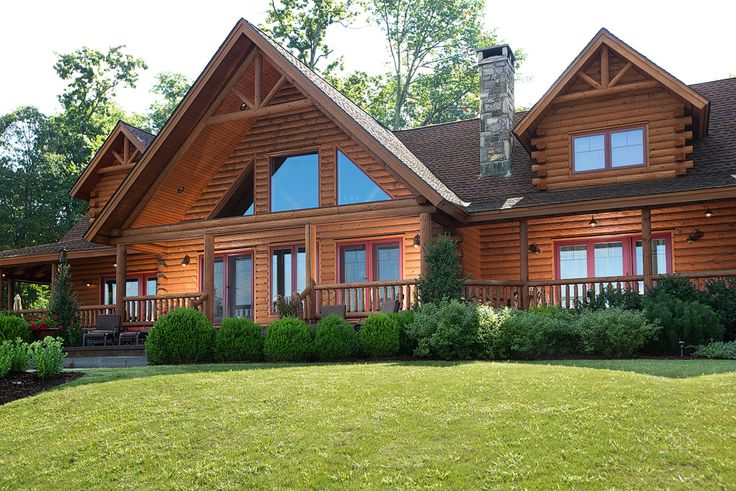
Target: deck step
x,y
106,351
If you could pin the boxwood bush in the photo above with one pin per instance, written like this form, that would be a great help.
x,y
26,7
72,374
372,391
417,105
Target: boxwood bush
x,y
407,343
615,331
238,339
288,339
447,330
12,327
335,338
528,335
183,335
379,335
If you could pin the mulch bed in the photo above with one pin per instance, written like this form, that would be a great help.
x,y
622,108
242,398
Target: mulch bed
x,y
20,385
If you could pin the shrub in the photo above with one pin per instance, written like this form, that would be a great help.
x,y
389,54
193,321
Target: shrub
x,y
64,307
12,327
288,339
615,331
48,357
443,280
239,339
21,355
288,306
526,335
490,322
335,338
717,349
675,286
611,297
721,297
689,321
407,343
379,335
183,335
447,330
6,358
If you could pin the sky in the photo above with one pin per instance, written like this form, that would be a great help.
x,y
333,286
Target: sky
x,y
694,44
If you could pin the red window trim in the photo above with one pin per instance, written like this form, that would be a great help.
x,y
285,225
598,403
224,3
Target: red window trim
x,y
369,256
225,276
294,268
629,245
142,283
608,165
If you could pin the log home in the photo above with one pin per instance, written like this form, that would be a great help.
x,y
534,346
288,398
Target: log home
x,y
268,182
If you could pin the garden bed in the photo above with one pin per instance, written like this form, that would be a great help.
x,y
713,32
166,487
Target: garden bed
x,y
19,385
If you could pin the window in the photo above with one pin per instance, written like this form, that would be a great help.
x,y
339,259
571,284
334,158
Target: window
x,y
138,285
239,200
288,272
353,185
295,182
233,285
608,150
368,261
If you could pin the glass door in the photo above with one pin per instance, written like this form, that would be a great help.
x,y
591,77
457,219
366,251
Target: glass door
x,y
240,286
353,269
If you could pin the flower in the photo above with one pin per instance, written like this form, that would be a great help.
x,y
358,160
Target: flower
x,y
56,317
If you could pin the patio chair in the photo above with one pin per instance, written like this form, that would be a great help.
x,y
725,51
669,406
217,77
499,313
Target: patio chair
x,y
132,337
107,327
339,310
390,306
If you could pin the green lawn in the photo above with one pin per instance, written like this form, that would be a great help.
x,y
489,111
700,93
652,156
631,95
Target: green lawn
x,y
545,425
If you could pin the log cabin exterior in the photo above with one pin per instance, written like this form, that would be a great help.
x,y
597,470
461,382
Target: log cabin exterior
x,y
267,181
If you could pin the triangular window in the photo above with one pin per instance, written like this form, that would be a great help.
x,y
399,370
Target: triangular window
x,y
239,200
353,185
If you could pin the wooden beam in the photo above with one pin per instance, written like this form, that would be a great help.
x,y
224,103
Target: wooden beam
x,y
2,282
11,293
208,276
589,80
121,259
425,238
604,67
243,98
118,157
619,75
260,112
114,169
619,89
258,79
126,151
274,90
646,246
310,266
54,271
524,262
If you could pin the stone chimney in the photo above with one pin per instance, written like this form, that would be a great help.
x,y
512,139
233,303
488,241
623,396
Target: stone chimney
x,y
496,67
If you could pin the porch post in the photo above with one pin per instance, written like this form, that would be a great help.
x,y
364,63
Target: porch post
x,y
310,309
646,246
121,259
54,271
524,262
208,277
2,282
425,238
11,293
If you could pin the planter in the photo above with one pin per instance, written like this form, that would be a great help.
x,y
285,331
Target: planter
x,y
39,334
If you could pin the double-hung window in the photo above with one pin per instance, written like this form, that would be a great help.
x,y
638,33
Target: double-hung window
x,y
611,149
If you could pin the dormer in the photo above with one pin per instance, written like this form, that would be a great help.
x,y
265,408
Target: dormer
x,y
612,117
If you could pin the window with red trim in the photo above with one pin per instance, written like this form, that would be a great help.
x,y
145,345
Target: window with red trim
x,y
288,271
370,261
135,285
611,149
233,274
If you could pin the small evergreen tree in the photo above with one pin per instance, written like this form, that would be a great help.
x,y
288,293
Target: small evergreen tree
x,y
65,307
443,280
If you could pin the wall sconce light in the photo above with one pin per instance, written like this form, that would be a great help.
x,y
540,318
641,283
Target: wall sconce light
x,y
89,285
186,260
593,222
417,241
695,236
180,190
535,249
62,256
708,212
115,265
243,106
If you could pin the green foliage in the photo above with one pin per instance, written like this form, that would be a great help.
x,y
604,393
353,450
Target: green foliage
x,y
6,358
612,297
335,338
21,355
717,349
379,335
407,344
239,339
182,336
288,306
443,280
64,307
682,320
170,88
675,286
288,339
12,327
615,331
48,357
447,330
528,335
721,297
490,323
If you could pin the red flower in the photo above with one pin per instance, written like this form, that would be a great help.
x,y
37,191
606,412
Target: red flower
x,y
33,324
56,317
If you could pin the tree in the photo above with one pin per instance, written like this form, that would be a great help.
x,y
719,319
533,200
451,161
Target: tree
x,y
170,88
301,25
64,307
443,280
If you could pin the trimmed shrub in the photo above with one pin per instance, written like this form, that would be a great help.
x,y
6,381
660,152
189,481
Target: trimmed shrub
x,y
239,339
21,355
527,335
6,358
183,335
721,298
335,338
490,322
689,321
443,280
12,327
718,349
615,331
448,330
379,335
48,357
407,343
288,339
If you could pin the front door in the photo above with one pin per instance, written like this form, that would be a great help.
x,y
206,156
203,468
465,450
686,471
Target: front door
x,y
233,286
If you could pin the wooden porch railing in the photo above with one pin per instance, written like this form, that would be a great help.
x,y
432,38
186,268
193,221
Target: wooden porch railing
x,y
141,311
364,298
499,293
88,314
570,293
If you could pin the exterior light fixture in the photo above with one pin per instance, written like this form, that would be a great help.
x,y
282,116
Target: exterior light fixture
x,y
186,260
243,106
535,249
695,236
62,256
708,212
115,265
682,348
592,221
180,190
88,284
417,241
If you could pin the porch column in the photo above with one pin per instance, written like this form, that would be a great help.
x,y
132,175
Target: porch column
x,y
425,238
54,271
121,259
11,293
310,246
646,246
208,276
2,282
524,262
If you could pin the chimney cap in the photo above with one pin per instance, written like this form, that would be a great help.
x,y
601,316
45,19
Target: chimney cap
x,y
496,50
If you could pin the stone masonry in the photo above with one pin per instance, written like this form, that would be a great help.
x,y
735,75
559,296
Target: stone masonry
x,y
496,67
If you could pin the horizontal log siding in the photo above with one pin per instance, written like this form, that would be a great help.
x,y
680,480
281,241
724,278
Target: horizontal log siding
x,y
95,270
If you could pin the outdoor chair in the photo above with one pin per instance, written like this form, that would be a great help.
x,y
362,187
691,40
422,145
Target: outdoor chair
x,y
132,337
339,310
390,306
107,327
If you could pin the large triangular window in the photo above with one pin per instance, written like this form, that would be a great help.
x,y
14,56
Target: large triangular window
x,y
239,200
353,185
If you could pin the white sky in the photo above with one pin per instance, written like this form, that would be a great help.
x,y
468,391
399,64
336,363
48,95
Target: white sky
x,y
694,41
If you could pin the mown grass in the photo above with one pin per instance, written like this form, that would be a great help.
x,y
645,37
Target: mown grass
x,y
384,425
